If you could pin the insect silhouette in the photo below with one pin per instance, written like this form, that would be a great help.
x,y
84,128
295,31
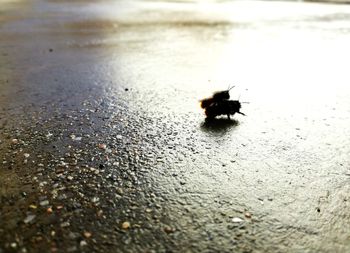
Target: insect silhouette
x,y
220,104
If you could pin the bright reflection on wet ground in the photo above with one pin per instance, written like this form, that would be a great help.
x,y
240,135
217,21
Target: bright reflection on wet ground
x,y
288,60
284,160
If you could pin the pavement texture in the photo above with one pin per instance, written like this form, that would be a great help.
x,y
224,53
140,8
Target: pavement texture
x,y
104,147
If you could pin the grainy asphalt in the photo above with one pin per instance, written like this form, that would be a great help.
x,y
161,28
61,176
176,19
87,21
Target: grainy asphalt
x,y
103,146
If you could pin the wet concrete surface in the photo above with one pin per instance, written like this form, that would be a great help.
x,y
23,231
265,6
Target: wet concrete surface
x,y
104,147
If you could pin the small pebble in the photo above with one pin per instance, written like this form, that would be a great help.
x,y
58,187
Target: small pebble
x,y
44,203
248,215
102,146
99,213
168,229
29,218
237,220
87,234
126,225
83,243
65,224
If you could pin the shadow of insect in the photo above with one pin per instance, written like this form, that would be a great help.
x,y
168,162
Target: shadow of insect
x,y
219,125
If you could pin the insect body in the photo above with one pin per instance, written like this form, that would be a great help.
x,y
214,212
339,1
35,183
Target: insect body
x,y
219,104
217,97
224,107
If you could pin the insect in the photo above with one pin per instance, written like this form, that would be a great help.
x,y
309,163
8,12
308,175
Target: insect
x,y
219,104
217,97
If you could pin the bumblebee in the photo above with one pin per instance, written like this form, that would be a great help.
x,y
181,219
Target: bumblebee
x,y
217,97
219,104
224,107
